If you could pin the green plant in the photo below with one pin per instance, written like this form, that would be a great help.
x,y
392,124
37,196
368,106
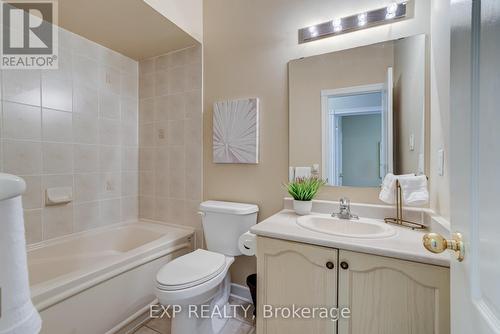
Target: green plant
x,y
304,189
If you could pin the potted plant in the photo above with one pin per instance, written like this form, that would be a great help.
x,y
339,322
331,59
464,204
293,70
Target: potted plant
x,y
303,190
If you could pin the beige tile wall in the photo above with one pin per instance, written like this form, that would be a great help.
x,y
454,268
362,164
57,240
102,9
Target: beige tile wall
x,y
77,127
170,138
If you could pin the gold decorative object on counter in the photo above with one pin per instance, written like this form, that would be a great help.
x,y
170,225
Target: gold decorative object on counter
x,y
399,220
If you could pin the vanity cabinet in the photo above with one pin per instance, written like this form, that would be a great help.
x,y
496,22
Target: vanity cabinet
x,y
390,296
385,295
291,273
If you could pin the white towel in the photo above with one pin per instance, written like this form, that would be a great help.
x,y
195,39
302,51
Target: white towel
x,y
19,316
388,191
414,190
302,172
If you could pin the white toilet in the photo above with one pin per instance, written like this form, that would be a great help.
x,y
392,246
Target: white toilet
x,y
202,277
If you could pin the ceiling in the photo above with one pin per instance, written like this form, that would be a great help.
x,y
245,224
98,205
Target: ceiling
x,y
130,27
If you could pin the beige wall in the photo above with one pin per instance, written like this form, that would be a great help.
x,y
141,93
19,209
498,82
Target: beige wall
x,y
409,102
247,46
170,140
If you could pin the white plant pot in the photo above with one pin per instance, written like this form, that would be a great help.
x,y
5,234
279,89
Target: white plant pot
x,y
302,208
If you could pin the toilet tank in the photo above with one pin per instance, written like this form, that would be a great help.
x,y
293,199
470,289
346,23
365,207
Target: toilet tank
x,y
224,222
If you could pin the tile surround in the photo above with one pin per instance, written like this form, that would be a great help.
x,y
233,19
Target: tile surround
x,y
76,126
170,138
125,136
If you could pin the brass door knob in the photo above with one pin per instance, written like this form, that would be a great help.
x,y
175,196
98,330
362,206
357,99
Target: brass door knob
x,y
436,243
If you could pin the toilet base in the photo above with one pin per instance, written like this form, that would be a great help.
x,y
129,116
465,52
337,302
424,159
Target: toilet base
x,y
196,318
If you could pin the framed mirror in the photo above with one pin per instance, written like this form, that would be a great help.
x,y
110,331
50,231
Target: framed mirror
x,y
359,113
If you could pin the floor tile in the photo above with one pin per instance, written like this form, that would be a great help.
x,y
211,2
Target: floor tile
x,y
245,312
234,326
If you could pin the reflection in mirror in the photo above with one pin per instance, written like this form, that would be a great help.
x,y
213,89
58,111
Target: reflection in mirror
x,y
355,139
359,113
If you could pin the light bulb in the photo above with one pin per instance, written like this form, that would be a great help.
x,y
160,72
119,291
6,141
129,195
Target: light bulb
x,y
362,19
313,31
337,25
391,11
392,8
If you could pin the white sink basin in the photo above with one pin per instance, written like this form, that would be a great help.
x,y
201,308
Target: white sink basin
x,y
354,228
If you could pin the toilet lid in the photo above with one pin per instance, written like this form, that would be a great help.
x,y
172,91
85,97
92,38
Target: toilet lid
x,y
190,270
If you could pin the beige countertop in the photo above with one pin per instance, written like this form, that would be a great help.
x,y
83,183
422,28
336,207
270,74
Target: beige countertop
x,y
406,244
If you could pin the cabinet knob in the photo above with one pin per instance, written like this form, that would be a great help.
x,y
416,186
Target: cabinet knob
x,y
344,265
330,265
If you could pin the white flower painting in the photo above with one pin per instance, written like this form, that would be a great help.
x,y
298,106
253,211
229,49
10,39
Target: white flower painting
x,y
236,131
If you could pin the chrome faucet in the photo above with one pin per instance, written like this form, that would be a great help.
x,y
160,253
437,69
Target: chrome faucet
x,y
345,210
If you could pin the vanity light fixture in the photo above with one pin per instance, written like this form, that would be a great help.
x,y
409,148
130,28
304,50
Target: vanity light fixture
x,y
393,12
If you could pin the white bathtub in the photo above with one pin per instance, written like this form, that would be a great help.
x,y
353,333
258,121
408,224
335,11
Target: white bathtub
x,y
97,281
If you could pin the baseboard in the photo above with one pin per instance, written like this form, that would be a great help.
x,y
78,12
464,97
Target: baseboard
x,y
241,292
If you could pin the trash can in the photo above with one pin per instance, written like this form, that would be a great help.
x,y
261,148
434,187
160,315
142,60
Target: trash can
x,y
252,285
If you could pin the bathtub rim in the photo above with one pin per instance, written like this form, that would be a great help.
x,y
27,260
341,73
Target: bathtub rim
x,y
95,230
56,290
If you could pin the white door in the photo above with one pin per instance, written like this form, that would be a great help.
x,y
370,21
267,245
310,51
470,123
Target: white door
x,y
386,161
475,164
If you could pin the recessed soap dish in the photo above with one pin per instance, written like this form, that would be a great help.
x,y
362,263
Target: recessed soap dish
x,y
59,195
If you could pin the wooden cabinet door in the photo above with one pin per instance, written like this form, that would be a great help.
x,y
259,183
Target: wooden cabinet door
x,y
290,273
390,296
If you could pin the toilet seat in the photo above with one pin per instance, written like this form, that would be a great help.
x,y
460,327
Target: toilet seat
x,y
190,270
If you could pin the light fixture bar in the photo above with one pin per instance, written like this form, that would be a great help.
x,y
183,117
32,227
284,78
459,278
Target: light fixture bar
x,y
393,12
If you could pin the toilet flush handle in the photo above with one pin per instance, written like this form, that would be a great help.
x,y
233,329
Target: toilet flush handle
x,y
201,213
